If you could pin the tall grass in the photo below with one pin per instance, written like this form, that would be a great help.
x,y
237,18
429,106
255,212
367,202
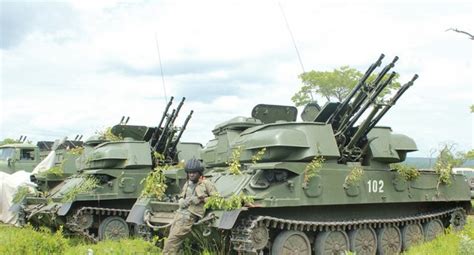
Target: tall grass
x,y
28,241
453,242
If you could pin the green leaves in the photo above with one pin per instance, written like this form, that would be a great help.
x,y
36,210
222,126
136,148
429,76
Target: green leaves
x,y
258,156
8,141
354,176
446,160
155,183
234,164
20,194
216,202
408,173
312,169
76,150
108,135
89,183
57,170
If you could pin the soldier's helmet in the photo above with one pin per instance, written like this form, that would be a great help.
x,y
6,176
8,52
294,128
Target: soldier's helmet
x,y
193,165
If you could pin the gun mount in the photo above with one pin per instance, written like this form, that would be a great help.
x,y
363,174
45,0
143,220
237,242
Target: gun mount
x,y
351,139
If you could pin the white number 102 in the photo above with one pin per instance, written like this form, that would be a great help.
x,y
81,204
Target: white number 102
x,y
375,186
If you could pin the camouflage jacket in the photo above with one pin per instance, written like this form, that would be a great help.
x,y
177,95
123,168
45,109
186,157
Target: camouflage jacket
x,y
203,190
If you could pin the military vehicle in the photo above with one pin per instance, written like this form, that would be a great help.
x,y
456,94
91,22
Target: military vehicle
x,y
324,185
469,174
22,156
95,201
26,156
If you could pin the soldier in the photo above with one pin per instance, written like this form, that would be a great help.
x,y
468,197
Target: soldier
x,y
191,205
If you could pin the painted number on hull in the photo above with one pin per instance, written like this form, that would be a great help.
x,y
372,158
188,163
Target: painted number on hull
x,y
375,186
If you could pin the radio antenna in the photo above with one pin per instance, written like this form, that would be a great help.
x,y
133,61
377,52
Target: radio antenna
x,y
161,66
291,35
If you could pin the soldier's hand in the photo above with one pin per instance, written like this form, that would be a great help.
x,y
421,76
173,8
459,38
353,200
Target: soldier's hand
x,y
183,203
195,200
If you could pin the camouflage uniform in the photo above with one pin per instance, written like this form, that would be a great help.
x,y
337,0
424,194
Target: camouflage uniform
x,y
191,210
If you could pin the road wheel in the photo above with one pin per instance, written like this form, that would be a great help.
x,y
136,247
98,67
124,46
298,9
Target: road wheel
x,y
363,241
331,242
260,237
432,229
458,219
291,243
113,228
389,240
412,234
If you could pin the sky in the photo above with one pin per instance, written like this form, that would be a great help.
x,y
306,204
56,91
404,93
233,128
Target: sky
x,y
77,67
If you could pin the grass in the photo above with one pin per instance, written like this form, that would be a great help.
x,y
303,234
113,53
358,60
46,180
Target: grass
x,y
28,241
461,242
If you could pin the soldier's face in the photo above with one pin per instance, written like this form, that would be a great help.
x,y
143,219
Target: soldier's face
x,y
194,176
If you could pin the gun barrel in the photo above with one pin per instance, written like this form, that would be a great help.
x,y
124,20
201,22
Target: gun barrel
x,y
182,130
157,130
392,102
359,100
373,96
164,133
178,109
361,129
357,88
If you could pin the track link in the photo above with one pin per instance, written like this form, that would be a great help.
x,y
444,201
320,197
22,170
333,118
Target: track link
x,y
75,227
242,234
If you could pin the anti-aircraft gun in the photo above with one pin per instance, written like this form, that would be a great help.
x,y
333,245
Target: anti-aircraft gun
x,y
325,185
352,140
95,201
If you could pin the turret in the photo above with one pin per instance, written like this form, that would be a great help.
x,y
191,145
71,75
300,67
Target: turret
x,y
330,132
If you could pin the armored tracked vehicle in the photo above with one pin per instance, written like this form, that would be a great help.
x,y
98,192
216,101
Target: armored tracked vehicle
x,y
327,184
26,156
95,201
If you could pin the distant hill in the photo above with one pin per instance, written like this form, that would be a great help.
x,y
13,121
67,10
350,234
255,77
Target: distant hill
x,y
427,163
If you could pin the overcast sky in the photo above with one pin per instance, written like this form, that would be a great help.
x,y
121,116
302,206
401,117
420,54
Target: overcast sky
x,y
75,67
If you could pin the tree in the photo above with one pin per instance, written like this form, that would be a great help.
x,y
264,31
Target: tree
x,y
448,156
335,84
8,141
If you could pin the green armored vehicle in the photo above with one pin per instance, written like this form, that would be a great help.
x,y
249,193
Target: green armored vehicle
x,y
324,185
22,156
95,201
25,156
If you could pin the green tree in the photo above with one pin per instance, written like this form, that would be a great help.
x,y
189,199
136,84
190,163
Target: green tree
x,y
8,141
472,108
335,84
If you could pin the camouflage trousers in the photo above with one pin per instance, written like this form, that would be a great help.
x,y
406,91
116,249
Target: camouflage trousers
x,y
181,226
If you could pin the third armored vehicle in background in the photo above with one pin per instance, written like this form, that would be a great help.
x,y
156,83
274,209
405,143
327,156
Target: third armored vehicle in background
x,y
26,156
325,185
95,201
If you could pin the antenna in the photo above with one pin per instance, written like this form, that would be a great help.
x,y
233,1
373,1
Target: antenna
x,y
161,66
292,37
